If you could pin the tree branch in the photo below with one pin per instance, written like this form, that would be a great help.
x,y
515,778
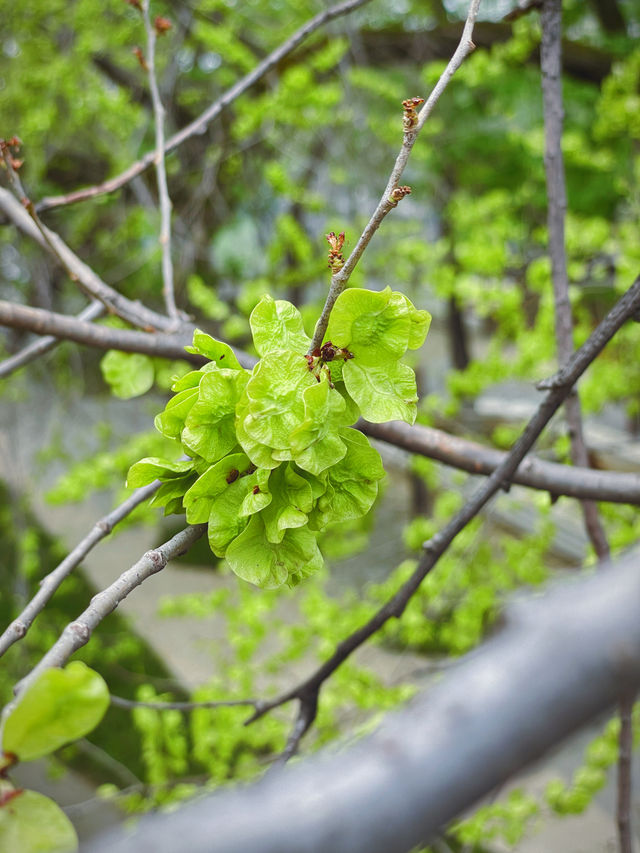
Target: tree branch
x,y
78,633
45,344
101,337
388,202
626,307
552,477
161,172
51,582
133,312
551,66
130,704
488,718
200,124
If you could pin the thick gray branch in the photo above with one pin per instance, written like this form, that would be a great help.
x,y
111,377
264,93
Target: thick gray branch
x,y
562,659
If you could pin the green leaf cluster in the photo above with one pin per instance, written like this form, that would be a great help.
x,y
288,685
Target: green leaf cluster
x,y
272,459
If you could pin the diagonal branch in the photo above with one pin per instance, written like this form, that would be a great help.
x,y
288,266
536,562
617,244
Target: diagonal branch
x,y
78,633
133,312
200,124
131,704
49,584
388,201
626,307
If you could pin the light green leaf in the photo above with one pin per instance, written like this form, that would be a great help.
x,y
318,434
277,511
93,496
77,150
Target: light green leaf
x,y
209,429
61,706
372,325
277,325
274,395
127,374
291,503
352,484
216,479
315,443
32,823
171,421
217,351
193,377
259,496
261,455
170,494
253,558
153,468
420,321
225,520
384,393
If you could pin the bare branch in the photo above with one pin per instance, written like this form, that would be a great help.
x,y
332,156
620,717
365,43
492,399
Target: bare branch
x,y
161,172
49,584
200,124
551,65
78,633
388,200
133,312
130,704
488,718
45,344
101,337
626,307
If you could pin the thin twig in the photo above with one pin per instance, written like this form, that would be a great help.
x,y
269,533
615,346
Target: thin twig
x,y
51,582
199,125
161,172
387,202
133,312
45,344
78,633
626,307
624,783
131,704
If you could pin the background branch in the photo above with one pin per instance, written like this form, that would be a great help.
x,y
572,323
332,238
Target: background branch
x,y
130,704
45,344
393,790
50,583
101,337
161,172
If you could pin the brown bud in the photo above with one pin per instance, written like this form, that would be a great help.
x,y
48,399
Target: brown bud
x,y
137,52
162,25
135,3
410,117
398,194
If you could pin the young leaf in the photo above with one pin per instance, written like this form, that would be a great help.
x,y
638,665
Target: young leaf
x,y
61,706
217,351
352,484
315,444
32,823
277,325
292,501
253,558
420,321
152,468
216,479
372,325
209,429
171,421
127,374
170,494
274,395
384,393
